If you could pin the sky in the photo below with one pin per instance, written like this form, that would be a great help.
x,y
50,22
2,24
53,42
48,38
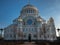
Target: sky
x,y
10,10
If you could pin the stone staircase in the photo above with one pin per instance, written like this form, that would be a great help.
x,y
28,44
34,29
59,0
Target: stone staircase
x,y
29,43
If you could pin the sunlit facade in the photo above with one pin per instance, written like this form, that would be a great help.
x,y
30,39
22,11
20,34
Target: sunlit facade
x,y
30,23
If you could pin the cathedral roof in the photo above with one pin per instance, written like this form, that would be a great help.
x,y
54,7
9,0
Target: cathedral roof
x,y
51,19
29,6
29,9
40,19
20,19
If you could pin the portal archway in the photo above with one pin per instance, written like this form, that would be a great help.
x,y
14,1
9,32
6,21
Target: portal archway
x,y
29,37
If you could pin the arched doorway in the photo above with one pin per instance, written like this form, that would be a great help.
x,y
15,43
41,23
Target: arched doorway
x,y
29,37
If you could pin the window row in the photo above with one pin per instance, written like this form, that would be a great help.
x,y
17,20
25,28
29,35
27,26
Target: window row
x,y
9,35
29,11
29,29
35,36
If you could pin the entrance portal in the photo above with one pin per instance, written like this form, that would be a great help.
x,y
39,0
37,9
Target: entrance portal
x,y
29,37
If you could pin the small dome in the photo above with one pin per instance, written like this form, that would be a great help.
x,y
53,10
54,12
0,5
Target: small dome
x,y
20,19
51,19
39,20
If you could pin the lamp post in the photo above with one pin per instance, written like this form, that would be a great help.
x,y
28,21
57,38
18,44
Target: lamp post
x,y
1,32
58,29
58,32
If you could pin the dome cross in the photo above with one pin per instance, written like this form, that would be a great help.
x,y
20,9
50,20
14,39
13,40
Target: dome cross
x,y
28,1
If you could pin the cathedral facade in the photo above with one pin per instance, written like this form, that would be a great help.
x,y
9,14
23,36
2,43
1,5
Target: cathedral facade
x,y
30,24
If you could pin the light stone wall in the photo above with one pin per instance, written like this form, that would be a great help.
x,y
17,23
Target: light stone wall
x,y
44,31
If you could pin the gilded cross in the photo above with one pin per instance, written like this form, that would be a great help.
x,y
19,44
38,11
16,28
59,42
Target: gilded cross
x,y
28,1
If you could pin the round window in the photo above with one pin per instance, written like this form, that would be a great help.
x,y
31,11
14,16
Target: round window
x,y
29,21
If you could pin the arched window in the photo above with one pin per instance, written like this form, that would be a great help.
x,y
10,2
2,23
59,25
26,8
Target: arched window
x,y
27,11
35,35
24,35
31,11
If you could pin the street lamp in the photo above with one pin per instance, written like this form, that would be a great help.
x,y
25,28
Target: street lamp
x,y
58,34
58,29
1,32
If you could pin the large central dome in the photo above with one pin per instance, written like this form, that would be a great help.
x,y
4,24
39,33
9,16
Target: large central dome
x,y
30,6
29,9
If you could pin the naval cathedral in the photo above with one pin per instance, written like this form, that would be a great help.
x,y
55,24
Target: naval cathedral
x,y
30,25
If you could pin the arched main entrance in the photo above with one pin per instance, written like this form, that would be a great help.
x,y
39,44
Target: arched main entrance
x,y
29,37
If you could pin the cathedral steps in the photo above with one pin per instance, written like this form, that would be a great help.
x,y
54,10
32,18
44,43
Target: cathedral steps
x,y
29,43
